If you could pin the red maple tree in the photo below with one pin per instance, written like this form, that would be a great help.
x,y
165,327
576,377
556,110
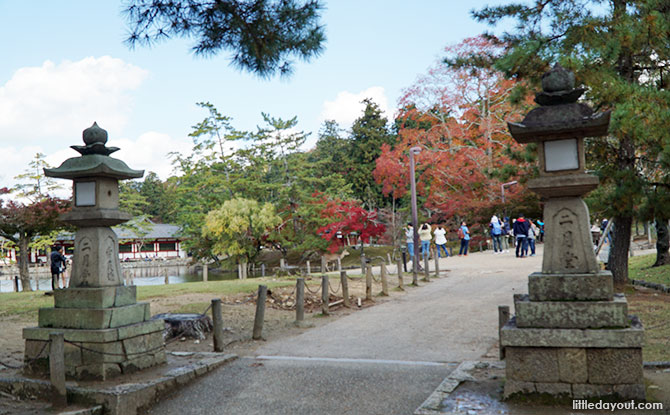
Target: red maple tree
x,y
346,217
458,117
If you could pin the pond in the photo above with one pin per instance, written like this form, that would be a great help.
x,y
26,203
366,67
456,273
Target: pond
x,y
140,276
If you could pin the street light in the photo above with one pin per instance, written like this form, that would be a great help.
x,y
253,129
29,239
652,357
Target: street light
x,y
412,182
502,189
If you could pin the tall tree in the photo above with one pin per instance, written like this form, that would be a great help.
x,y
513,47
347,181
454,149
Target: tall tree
x,y
458,118
618,49
263,35
238,228
368,133
22,223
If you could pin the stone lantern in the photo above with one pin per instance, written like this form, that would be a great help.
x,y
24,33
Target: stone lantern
x,y
107,332
571,334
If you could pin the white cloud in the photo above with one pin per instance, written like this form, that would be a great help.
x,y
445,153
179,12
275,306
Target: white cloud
x,y
149,152
347,106
54,100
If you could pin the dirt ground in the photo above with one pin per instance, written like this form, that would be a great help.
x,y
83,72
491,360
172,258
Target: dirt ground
x,y
238,316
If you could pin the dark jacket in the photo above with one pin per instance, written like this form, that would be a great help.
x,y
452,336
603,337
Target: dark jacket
x,y
520,227
57,262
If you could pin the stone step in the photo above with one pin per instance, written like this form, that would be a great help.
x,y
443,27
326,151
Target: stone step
x,y
102,297
93,318
571,314
571,287
630,337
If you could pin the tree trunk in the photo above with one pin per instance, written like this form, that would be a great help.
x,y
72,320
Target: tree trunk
x,y
662,243
618,255
23,260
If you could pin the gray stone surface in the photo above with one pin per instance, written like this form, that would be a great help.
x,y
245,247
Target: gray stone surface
x,y
571,314
562,287
554,389
572,366
104,297
586,390
634,391
568,243
96,336
630,337
515,386
615,366
96,258
103,318
531,364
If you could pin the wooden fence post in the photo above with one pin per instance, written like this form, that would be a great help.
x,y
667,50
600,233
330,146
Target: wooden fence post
x,y
426,271
324,264
368,283
325,298
299,300
363,264
437,265
260,312
503,318
309,268
57,369
385,283
400,273
345,288
205,272
339,264
282,264
217,319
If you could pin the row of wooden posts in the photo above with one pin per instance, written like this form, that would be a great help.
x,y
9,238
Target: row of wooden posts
x,y
57,346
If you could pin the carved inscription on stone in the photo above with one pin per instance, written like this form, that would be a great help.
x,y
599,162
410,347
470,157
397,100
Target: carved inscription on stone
x,y
567,226
85,248
110,255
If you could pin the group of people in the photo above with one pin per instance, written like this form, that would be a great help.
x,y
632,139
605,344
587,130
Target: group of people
x,y
524,232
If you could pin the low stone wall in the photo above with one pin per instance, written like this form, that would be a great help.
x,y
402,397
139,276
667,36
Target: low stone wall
x,y
8,272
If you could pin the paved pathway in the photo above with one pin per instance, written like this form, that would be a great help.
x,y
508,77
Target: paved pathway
x,y
383,360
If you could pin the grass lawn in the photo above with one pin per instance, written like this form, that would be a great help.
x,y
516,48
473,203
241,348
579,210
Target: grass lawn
x,y
640,268
26,304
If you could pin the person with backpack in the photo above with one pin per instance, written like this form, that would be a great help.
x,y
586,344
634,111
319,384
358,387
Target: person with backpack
x,y
464,236
496,231
441,241
520,229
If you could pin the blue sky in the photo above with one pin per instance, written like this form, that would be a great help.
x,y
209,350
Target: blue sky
x,y
64,65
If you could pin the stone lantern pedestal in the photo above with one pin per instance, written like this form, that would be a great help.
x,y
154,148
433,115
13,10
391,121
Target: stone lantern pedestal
x,y
107,332
571,334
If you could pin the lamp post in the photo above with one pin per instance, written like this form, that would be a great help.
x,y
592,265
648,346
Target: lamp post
x,y
502,189
415,221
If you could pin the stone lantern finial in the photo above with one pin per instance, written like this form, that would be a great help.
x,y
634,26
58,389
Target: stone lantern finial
x,y
558,87
94,134
95,139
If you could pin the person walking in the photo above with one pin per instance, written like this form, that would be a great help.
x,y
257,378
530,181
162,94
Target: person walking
x,y
520,229
425,235
58,261
496,232
540,234
464,236
441,241
532,233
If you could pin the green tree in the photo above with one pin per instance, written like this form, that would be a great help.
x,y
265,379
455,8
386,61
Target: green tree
x,y
618,49
263,35
237,229
32,184
368,133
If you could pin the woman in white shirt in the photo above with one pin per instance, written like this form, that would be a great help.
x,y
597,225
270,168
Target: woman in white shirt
x,y
441,240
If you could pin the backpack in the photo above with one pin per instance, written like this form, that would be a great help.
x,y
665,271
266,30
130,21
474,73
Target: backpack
x,y
461,235
497,229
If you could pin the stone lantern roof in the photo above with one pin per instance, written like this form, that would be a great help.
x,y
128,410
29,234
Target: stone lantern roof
x,y
94,160
559,115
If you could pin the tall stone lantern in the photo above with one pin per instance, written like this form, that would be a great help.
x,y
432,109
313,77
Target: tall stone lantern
x,y
571,334
107,332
